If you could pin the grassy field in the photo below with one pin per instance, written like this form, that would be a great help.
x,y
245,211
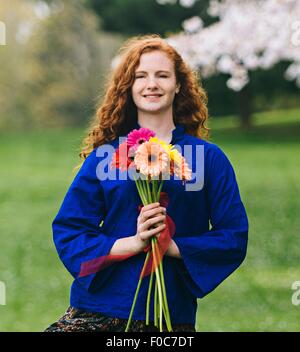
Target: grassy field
x,y
36,172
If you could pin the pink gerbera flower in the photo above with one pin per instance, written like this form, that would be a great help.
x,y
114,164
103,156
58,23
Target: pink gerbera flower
x,y
138,137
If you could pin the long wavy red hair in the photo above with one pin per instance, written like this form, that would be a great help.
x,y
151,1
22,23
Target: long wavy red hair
x,y
117,113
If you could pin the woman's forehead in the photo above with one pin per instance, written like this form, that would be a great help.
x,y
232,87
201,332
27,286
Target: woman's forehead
x,y
155,60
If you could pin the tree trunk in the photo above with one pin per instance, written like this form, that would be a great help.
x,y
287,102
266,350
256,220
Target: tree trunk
x,y
245,107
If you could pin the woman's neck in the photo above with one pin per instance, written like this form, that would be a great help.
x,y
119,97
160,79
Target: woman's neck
x,y
162,127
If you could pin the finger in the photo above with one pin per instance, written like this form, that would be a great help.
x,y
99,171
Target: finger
x,y
149,206
153,221
156,230
150,213
145,225
143,236
145,209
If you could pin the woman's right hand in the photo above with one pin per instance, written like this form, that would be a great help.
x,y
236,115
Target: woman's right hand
x,y
150,222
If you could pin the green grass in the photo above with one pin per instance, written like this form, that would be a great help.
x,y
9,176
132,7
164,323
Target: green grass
x,y
36,172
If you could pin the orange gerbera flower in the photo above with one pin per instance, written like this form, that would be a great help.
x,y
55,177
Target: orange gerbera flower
x,y
151,159
180,167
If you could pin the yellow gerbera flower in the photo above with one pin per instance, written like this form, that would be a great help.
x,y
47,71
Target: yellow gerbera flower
x,y
169,148
179,165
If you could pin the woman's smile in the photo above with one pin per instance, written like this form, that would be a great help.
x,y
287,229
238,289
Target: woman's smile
x,y
152,97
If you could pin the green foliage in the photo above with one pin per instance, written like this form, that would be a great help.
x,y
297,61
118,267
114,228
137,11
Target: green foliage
x,y
67,60
257,297
133,17
268,90
54,77
13,102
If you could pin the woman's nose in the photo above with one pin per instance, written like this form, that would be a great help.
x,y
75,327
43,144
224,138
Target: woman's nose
x,y
151,83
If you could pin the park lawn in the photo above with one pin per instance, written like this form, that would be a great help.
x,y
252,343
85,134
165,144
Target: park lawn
x,y
36,172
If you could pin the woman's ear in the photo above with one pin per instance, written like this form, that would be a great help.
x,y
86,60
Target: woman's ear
x,y
177,89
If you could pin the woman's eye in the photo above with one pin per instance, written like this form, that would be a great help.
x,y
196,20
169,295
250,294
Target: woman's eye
x,y
160,76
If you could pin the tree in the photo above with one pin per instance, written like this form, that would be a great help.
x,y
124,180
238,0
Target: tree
x,y
249,35
54,64
66,66
133,17
18,18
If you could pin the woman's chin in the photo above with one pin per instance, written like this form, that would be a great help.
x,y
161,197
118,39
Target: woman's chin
x,y
152,109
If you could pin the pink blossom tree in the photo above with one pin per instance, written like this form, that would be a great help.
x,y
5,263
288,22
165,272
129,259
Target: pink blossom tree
x,y
250,35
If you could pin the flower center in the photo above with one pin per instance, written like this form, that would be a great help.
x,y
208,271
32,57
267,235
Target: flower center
x,y
151,158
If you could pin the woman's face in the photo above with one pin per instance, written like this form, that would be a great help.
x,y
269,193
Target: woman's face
x,y
154,86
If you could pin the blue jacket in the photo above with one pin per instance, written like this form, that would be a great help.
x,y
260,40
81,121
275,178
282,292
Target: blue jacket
x,y
211,234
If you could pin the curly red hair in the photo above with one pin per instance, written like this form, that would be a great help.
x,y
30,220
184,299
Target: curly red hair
x,y
117,113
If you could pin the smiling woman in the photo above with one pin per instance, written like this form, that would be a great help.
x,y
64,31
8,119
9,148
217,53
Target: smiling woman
x,y
151,88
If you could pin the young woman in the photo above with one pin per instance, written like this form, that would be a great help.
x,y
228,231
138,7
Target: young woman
x,y
152,87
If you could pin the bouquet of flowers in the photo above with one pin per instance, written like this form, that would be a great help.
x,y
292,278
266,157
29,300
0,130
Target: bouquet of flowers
x,y
152,160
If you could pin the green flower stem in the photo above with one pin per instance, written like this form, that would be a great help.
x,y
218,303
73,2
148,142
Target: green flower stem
x,y
159,284
159,189
167,314
144,190
155,304
136,293
148,191
138,186
165,310
148,195
148,297
166,307
154,190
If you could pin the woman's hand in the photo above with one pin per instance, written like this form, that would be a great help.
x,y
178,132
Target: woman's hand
x,y
150,222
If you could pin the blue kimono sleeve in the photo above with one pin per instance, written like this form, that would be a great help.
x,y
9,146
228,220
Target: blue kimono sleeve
x,y
210,257
76,232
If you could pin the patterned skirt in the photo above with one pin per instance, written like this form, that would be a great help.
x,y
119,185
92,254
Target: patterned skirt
x,y
78,320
